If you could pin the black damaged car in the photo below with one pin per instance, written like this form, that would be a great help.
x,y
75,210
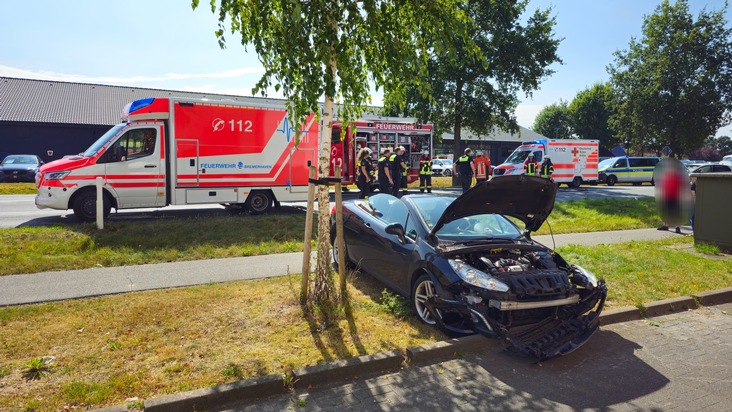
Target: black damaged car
x,y
468,268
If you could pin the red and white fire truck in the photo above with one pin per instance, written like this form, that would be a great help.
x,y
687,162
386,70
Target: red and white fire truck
x,y
378,133
178,151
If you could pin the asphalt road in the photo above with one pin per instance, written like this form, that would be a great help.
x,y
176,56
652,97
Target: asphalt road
x,y
20,210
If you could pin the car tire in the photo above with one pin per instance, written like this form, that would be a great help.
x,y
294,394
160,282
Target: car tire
x,y
259,202
447,172
611,180
423,289
85,206
334,249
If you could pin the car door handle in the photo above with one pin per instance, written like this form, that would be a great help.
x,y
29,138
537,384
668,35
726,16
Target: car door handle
x,y
368,225
150,166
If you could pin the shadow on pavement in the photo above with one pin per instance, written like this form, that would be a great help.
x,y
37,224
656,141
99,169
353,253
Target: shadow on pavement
x,y
604,372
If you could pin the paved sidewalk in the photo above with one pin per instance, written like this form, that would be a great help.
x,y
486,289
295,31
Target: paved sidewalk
x,y
48,286
676,362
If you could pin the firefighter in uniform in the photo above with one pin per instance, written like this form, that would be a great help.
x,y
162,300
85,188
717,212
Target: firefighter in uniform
x,y
363,163
482,168
425,172
531,167
547,168
464,169
397,168
383,167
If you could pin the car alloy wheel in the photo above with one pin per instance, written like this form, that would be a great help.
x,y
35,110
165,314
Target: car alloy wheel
x,y
423,290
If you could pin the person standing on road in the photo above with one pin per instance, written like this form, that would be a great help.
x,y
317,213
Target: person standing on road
x,y
464,169
383,168
531,166
396,167
425,172
482,168
363,163
547,168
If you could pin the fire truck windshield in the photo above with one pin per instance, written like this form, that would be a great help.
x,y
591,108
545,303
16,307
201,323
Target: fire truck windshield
x,y
106,137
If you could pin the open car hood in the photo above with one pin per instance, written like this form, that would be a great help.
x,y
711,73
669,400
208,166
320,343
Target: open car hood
x,y
527,198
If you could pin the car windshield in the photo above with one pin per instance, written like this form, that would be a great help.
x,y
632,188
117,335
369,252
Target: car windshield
x,y
481,226
20,160
106,137
605,163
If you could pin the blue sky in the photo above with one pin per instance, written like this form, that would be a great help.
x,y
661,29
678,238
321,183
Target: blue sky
x,y
164,44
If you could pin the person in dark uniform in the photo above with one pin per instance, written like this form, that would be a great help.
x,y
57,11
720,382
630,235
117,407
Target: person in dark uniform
x,y
547,168
383,168
363,163
425,172
396,168
464,169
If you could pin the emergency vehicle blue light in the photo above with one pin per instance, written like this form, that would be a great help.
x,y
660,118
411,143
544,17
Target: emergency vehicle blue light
x,y
139,104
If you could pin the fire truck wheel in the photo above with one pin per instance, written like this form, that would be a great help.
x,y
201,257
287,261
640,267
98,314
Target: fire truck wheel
x,y
85,206
259,202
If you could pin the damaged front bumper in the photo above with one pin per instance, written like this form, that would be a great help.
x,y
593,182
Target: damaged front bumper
x,y
569,322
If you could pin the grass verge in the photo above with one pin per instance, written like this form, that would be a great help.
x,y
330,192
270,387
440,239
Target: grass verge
x,y
40,249
18,189
148,344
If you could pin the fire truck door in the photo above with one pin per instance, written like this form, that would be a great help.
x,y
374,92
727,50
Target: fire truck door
x,y
135,167
187,163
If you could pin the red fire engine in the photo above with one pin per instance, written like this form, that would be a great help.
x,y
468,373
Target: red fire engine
x,y
378,133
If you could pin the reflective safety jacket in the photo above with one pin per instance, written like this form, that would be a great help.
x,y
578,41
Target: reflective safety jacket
x,y
547,169
463,165
425,165
530,168
482,167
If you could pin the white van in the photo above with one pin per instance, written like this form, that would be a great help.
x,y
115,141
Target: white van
x,y
625,169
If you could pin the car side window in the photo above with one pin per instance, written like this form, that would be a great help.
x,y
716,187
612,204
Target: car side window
x,y
537,155
620,163
388,209
410,230
635,162
134,144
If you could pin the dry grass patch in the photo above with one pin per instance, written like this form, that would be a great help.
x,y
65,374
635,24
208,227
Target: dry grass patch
x,y
149,344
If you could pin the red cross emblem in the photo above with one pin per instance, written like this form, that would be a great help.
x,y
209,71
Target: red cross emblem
x,y
574,152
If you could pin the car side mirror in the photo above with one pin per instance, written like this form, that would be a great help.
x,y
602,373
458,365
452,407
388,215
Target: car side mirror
x,y
396,229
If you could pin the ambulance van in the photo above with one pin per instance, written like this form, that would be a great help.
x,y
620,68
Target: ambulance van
x,y
574,160
179,151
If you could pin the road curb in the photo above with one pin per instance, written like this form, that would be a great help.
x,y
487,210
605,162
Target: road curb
x,y
349,369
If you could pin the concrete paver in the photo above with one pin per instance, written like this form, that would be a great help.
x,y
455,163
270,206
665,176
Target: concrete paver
x,y
676,362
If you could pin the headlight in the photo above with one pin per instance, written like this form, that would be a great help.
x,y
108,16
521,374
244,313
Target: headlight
x,y
591,279
57,175
476,277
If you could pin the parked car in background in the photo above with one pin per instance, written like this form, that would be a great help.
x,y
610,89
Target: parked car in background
x,y
19,168
467,268
721,167
636,170
442,167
